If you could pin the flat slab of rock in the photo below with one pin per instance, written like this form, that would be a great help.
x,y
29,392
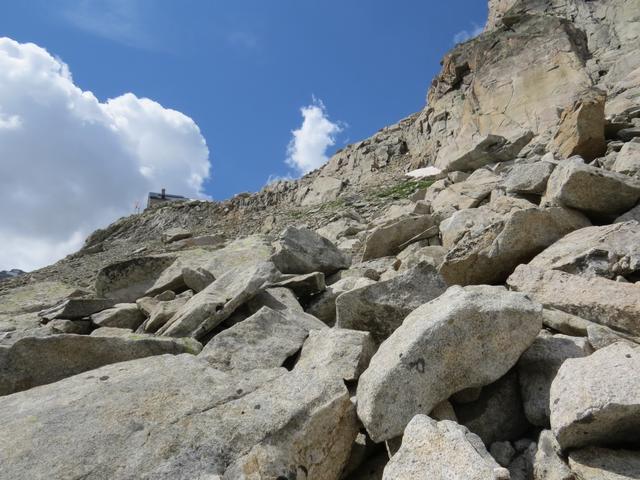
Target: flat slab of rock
x,y
34,361
304,285
122,315
467,337
264,340
591,190
175,234
603,301
172,417
390,238
381,307
596,400
207,309
594,463
530,178
300,250
76,308
442,450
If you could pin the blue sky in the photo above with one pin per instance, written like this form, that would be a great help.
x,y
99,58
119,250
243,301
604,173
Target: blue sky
x,y
243,69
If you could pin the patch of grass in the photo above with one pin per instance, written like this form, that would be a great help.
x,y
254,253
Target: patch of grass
x,y
403,189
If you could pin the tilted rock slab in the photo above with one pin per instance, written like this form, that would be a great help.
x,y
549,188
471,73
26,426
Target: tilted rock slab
x,y
491,254
381,307
593,463
34,361
264,340
548,463
596,400
207,309
529,178
467,337
442,451
122,315
172,417
388,239
614,304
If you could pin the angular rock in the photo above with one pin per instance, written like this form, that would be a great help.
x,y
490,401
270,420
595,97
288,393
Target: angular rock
x,y
76,308
264,340
488,256
122,315
565,322
497,415
111,332
444,411
380,308
433,255
599,300
347,225
128,280
548,463
388,240
467,337
596,400
34,361
592,190
581,127
322,190
176,417
197,279
175,234
539,365
441,450
344,353
241,253
601,336
300,250
628,159
324,305
304,286
530,178
633,214
467,194
276,298
608,251
594,463
207,309
162,313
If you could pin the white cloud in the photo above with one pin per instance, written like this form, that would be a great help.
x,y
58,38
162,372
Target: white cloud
x,y
464,35
70,163
307,149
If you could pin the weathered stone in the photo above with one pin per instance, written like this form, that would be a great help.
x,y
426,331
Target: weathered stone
x,y
548,463
111,332
628,159
388,239
422,363
596,400
497,415
122,315
76,308
581,127
276,298
207,309
381,307
592,190
565,322
162,313
608,251
603,301
345,353
601,336
304,286
300,250
503,452
197,279
147,304
633,214
488,256
324,305
345,226
128,280
444,411
240,253
441,450
539,365
322,190
78,327
529,178
34,361
183,419
175,234
467,194
264,340
521,467
433,255
594,463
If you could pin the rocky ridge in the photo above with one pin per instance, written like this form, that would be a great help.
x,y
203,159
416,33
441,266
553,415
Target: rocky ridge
x,y
477,320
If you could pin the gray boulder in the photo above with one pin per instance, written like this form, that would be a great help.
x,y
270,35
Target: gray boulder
x,y
304,286
323,306
389,239
593,463
380,308
548,462
628,159
565,323
34,361
467,337
539,365
172,417
162,312
592,190
174,234
599,300
300,250
441,450
207,309
264,340
468,194
601,336
76,308
122,315
529,178
198,278
596,400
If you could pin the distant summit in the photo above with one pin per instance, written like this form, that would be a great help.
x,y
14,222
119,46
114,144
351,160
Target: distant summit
x,y
6,274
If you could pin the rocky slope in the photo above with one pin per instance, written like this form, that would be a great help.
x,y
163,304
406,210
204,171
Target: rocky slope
x,y
478,321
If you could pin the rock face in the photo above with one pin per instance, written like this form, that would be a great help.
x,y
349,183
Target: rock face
x,y
594,463
421,364
381,307
596,400
34,361
183,419
441,450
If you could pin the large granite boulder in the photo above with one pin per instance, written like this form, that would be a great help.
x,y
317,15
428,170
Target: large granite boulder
x,y
172,417
467,337
441,450
389,239
596,400
122,315
529,178
34,361
76,308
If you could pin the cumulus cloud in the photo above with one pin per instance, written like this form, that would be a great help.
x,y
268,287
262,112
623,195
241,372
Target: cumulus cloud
x,y
70,164
308,146
467,34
